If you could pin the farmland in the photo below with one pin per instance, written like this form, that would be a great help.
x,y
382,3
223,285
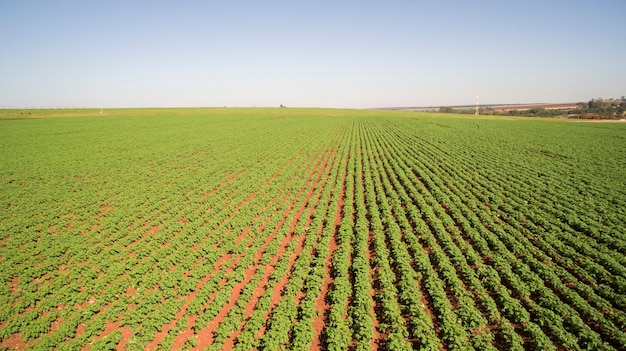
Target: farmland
x,y
306,229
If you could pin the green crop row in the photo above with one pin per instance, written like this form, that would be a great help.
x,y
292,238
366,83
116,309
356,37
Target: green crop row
x,y
310,228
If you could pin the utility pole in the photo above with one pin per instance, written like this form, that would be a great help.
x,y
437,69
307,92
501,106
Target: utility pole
x,y
476,113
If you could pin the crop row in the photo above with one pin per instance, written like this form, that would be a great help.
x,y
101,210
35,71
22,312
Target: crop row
x,y
298,229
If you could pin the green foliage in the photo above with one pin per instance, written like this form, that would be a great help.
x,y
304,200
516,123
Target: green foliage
x,y
593,109
108,342
396,229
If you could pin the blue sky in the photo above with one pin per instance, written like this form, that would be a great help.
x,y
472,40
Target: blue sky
x,y
355,54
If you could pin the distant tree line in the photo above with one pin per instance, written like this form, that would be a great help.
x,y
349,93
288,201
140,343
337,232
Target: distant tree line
x,y
593,109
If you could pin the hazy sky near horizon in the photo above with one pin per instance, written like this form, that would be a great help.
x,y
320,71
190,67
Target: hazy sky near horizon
x,y
355,54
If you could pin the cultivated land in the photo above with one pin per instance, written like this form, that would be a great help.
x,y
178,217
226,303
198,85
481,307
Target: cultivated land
x,y
305,229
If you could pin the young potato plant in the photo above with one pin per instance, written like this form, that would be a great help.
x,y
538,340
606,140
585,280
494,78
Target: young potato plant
x,y
271,229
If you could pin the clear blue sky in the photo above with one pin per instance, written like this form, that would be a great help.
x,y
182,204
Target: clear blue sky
x,y
355,54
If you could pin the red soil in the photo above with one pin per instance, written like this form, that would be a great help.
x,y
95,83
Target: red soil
x,y
14,342
55,325
320,305
279,286
80,329
184,335
104,209
258,292
131,290
166,328
249,309
205,336
15,284
377,335
428,309
277,291
270,179
88,302
243,234
109,328
260,289
229,179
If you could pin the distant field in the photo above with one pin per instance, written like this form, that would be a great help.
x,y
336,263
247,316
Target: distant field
x,y
268,229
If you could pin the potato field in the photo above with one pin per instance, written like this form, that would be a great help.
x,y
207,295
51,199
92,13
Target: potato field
x,y
310,229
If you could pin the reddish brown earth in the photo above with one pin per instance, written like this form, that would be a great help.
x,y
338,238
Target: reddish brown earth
x,y
80,329
281,284
131,290
249,198
259,290
90,301
109,328
185,335
262,286
207,332
243,234
270,179
15,284
166,328
278,287
205,336
321,304
14,342
182,337
201,338
104,209
229,178
378,337
55,325
429,311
